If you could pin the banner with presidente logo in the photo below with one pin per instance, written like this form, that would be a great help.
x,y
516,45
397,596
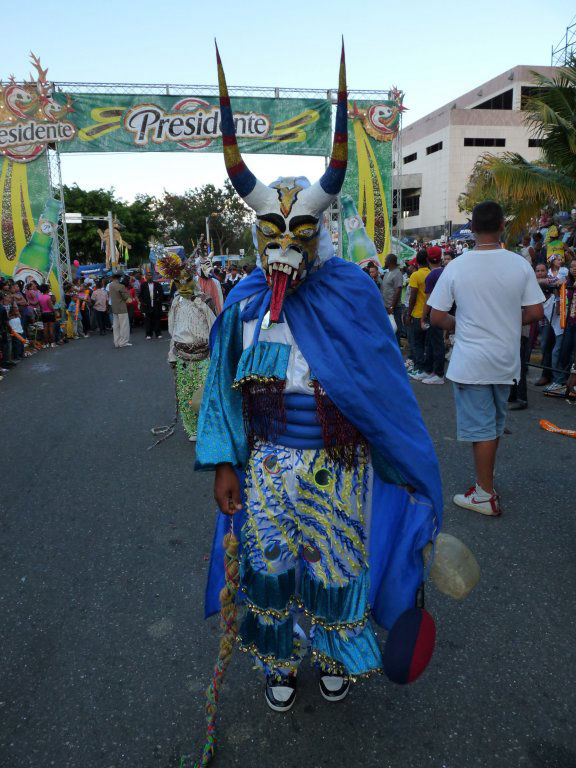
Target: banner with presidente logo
x,y
174,124
372,126
30,120
35,116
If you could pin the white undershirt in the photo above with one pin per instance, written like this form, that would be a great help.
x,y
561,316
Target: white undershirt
x,y
298,372
151,289
489,288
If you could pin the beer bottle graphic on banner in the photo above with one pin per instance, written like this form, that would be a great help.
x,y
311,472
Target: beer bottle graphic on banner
x,y
360,248
35,257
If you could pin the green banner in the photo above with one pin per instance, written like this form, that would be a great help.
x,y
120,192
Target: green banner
x,y
24,189
192,123
371,128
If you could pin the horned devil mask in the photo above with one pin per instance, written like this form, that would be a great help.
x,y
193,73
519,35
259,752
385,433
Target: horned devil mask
x,y
205,266
288,215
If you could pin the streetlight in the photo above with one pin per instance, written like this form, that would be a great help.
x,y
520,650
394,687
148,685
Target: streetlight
x,y
213,214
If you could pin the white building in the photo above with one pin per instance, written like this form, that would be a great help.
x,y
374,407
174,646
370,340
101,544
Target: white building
x,y
439,150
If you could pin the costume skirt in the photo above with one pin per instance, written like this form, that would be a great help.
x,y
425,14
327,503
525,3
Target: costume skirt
x,y
190,376
305,560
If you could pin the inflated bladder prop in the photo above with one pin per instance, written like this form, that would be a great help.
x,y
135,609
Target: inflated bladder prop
x,y
454,570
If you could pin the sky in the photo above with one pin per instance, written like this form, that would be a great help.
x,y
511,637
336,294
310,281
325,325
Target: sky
x,y
433,51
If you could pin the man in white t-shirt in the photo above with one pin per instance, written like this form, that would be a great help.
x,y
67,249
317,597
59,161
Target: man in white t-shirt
x,y
495,292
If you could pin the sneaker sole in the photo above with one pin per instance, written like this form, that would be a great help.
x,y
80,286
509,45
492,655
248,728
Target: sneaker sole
x,y
432,382
476,508
339,697
280,709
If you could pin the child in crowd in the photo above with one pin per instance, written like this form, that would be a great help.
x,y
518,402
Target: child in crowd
x,y
17,333
75,316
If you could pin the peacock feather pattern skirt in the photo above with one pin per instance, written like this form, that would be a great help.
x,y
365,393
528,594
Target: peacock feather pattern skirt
x,y
304,554
190,376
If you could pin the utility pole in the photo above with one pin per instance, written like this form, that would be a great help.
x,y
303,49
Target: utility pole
x,y
111,245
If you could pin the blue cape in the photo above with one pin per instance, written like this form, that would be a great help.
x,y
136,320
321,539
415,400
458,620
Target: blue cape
x,y
338,320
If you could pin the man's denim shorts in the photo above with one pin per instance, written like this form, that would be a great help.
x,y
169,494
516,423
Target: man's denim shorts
x,y
480,410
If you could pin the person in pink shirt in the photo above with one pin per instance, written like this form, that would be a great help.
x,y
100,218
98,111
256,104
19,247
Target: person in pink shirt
x,y
47,314
32,293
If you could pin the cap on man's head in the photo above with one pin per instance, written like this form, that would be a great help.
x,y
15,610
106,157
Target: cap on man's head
x,y
434,253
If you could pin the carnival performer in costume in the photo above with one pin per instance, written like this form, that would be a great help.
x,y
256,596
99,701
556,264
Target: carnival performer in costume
x,y
209,285
320,452
190,320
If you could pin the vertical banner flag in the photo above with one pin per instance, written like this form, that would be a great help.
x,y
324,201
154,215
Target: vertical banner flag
x,y
369,175
30,119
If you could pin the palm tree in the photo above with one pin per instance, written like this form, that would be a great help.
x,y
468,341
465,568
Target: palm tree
x,y
524,188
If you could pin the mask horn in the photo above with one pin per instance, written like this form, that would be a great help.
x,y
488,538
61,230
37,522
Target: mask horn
x,y
322,193
243,180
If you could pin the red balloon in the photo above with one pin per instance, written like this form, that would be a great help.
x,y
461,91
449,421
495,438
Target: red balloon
x,y
76,263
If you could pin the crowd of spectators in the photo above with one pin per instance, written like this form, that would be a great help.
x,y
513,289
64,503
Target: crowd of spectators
x,y
230,275
31,318
550,248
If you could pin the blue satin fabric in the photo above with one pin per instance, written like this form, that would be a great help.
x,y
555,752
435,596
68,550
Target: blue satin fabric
x,y
302,428
336,605
216,578
359,657
294,429
221,434
289,441
275,639
401,526
265,358
302,405
267,590
339,323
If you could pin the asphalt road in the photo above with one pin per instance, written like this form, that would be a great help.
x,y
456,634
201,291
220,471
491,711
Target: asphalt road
x,y
104,653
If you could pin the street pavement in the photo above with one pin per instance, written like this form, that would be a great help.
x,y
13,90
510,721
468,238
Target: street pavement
x,y
104,652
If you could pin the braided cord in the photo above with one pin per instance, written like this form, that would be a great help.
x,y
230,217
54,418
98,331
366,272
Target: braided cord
x,y
229,626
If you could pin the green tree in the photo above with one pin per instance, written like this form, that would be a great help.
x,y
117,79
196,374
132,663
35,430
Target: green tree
x,y
524,188
137,220
182,218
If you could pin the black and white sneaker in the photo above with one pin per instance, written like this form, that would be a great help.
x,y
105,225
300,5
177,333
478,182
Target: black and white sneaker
x,y
280,693
334,687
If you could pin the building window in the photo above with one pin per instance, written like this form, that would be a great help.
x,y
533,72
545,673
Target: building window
x,y
434,148
484,142
502,101
410,158
535,142
527,92
410,206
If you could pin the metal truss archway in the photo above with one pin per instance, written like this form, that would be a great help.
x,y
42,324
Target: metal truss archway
x,y
173,89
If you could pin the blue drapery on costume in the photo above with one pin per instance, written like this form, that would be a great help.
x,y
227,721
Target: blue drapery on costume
x,y
339,322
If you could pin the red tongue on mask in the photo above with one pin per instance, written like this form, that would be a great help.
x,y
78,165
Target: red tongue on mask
x,y
279,286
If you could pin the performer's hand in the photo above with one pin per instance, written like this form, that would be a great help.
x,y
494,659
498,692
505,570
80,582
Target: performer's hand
x,y
227,489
